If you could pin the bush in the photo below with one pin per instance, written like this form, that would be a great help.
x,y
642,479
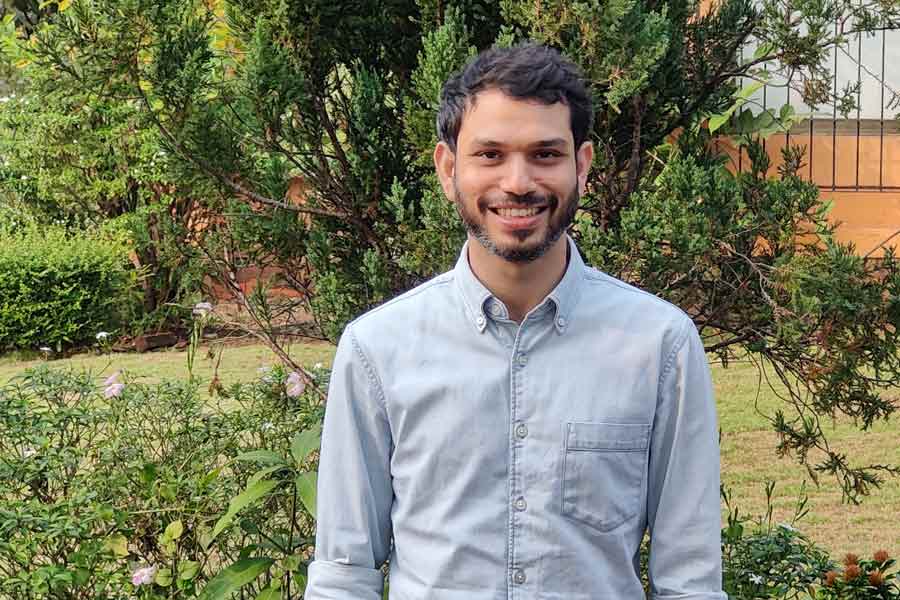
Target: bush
x,y
59,291
124,490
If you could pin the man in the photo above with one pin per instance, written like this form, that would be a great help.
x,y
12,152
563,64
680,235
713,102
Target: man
x,y
510,429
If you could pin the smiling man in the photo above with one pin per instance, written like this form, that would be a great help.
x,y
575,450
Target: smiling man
x,y
512,428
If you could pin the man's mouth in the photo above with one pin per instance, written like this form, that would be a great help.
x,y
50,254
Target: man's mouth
x,y
517,212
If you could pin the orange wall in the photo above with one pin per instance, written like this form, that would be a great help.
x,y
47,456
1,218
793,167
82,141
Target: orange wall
x,y
866,217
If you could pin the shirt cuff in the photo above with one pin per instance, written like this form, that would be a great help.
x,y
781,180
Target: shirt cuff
x,y
330,580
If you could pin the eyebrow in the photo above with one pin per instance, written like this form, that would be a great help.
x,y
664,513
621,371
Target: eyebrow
x,y
488,143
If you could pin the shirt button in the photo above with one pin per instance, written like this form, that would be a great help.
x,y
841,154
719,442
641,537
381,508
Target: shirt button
x,y
523,360
520,504
519,576
479,320
561,321
522,431
495,309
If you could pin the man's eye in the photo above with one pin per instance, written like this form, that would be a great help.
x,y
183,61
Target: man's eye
x,y
489,154
547,154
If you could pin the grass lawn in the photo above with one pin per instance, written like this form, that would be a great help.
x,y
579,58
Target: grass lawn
x,y
748,444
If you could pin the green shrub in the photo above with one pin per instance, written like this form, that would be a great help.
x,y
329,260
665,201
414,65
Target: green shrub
x,y
59,291
122,490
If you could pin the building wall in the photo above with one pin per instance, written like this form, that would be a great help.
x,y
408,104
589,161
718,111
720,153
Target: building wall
x,y
858,174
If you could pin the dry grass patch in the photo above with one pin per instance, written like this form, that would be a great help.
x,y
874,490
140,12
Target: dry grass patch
x,y
749,460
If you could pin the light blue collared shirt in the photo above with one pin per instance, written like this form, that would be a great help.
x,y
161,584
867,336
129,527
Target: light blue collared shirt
x,y
490,460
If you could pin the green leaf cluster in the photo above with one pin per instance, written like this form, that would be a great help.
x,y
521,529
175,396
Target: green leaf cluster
x,y
59,291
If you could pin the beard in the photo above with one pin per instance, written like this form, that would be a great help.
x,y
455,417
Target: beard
x,y
561,216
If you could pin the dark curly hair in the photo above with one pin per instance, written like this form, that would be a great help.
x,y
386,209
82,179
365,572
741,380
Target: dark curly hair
x,y
527,71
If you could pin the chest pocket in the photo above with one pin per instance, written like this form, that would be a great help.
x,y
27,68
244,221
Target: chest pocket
x,y
604,472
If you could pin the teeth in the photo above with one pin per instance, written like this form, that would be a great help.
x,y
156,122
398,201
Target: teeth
x,y
517,212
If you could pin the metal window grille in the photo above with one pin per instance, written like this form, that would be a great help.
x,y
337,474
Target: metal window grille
x,y
862,151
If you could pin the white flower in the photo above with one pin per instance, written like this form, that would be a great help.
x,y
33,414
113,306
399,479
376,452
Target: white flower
x,y
787,527
317,366
143,576
267,426
202,309
294,385
28,452
263,370
113,390
101,336
757,579
46,349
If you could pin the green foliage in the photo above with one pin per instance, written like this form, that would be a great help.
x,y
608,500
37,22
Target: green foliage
x,y
100,485
764,559
59,291
88,162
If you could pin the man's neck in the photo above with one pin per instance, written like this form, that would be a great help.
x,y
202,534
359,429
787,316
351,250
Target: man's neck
x,y
520,286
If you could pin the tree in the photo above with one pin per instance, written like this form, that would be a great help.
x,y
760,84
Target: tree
x,y
252,97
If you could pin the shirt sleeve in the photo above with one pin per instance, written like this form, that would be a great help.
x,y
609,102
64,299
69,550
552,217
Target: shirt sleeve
x,y
355,494
683,512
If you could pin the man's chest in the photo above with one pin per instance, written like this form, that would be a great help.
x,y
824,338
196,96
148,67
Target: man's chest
x,y
531,414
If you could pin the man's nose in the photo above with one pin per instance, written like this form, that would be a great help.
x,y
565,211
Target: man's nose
x,y
517,177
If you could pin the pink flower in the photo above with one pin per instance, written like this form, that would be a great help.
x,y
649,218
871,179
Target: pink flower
x,y
295,385
114,390
112,379
143,576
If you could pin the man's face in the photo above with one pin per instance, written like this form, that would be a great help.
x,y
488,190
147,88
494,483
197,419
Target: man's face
x,y
515,176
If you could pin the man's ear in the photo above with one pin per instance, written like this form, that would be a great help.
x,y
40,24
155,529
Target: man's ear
x,y
445,166
583,159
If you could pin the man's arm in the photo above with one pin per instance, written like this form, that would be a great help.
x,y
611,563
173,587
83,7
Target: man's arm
x,y
354,491
683,509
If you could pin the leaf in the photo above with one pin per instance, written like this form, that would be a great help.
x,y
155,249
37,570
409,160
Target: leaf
x,y
306,489
269,593
167,492
118,545
64,4
163,577
265,473
210,477
249,496
716,121
148,473
261,456
764,49
174,530
748,90
234,577
188,569
305,442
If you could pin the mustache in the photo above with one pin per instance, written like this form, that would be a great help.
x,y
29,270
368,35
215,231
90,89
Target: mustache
x,y
529,199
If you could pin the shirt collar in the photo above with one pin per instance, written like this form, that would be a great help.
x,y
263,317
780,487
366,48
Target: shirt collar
x,y
563,297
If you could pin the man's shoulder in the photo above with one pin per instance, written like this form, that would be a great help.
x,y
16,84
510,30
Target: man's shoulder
x,y
609,294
